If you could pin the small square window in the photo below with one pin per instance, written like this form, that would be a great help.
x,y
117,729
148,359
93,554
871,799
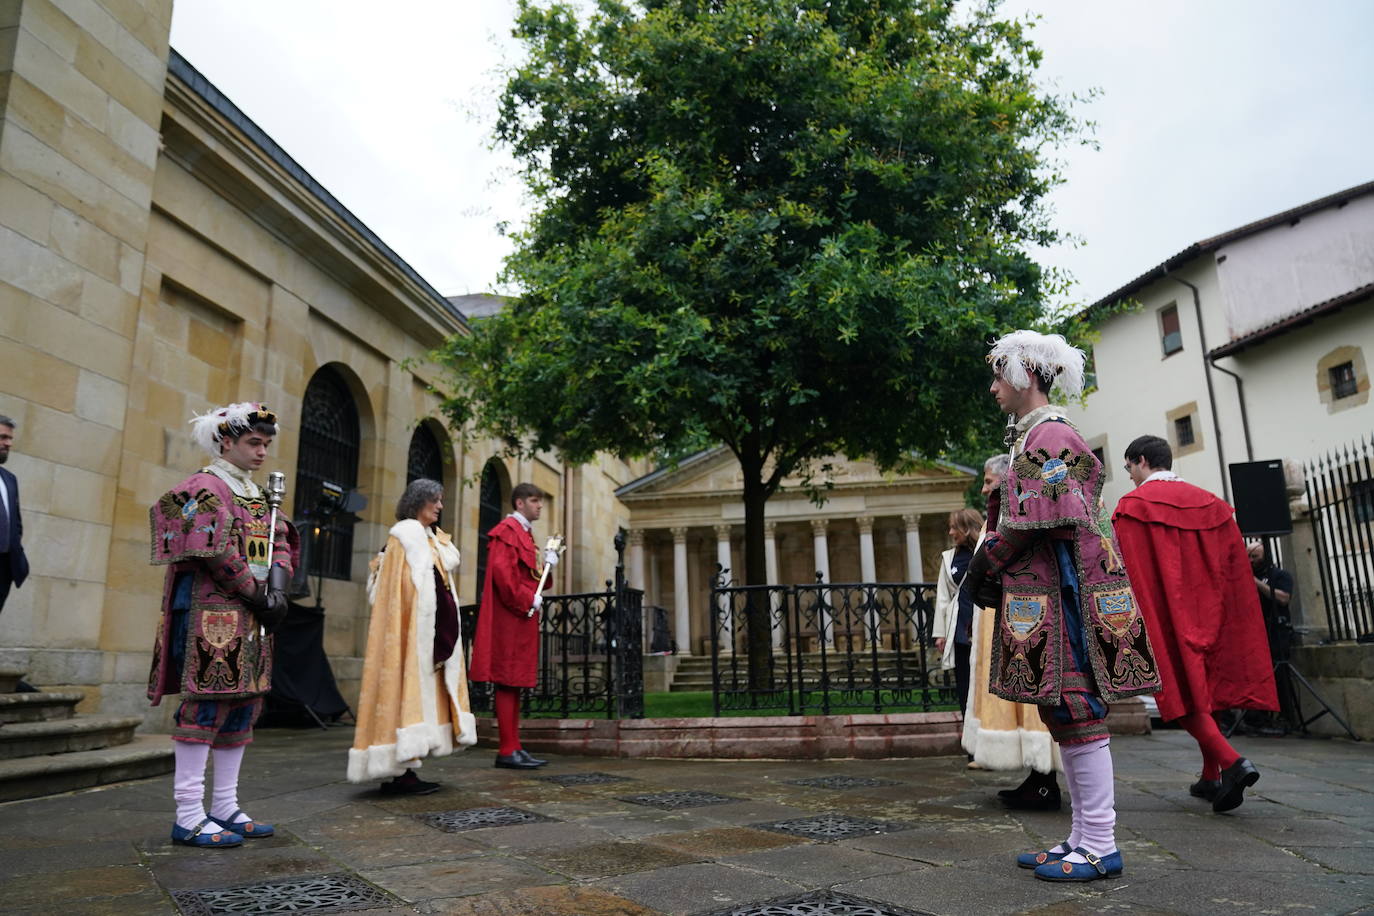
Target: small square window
x,y
1183,431
1343,383
1101,455
1170,335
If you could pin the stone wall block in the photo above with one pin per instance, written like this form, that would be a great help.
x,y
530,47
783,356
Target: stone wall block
x,y
81,495
109,306
101,399
9,13
147,22
25,210
65,666
35,111
67,548
56,77
85,244
94,151
60,437
139,90
35,476
60,333
38,377
52,27
37,270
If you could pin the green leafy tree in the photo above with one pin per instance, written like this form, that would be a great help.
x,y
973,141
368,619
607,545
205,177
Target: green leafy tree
x,y
787,227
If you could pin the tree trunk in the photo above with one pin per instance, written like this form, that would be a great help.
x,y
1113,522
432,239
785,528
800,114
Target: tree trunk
x,y
759,610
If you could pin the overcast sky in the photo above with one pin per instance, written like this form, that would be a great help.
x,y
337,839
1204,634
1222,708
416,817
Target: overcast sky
x,y
1211,114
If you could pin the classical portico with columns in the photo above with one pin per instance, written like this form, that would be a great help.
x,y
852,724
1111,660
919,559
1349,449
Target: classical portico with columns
x,y
873,527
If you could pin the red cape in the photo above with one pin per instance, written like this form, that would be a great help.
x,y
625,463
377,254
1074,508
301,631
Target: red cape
x,y
505,647
1193,581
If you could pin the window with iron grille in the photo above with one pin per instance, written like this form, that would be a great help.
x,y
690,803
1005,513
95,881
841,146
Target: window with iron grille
x,y
426,458
491,509
1183,431
330,444
1343,382
1170,335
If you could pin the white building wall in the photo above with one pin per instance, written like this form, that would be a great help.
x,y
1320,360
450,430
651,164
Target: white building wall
x,y
1137,385
1272,274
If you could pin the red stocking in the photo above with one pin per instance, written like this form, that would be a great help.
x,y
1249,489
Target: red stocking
x,y
507,703
1217,752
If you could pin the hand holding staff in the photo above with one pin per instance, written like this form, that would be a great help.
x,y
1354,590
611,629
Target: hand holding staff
x,y
553,549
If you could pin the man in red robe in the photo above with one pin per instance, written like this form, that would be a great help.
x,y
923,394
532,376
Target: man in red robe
x,y
1192,577
505,648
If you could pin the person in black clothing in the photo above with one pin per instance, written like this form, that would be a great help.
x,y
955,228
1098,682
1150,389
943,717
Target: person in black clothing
x,y
1275,585
14,566
953,623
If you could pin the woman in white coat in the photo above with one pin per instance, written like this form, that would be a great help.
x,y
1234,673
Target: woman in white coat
x,y
953,621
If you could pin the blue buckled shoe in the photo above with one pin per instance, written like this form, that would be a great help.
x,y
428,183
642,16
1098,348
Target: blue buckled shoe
x,y
223,839
1045,857
249,829
1108,866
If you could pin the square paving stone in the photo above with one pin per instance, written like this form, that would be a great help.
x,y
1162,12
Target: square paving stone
x,y
581,779
818,866
601,860
560,900
1233,851
649,823
182,868
385,852
827,828
820,903
945,847
722,841
39,860
538,836
478,818
460,878
689,889
1357,860
672,801
152,902
1229,892
980,888
315,893
57,889
353,822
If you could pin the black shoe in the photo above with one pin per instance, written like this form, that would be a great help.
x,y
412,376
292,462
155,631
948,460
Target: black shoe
x,y
409,784
1038,792
516,762
1235,779
528,758
1205,789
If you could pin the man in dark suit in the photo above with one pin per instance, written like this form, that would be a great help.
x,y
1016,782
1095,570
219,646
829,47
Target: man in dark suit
x,y
14,566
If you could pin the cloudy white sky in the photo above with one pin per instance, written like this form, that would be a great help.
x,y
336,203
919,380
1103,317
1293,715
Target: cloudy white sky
x,y
1212,113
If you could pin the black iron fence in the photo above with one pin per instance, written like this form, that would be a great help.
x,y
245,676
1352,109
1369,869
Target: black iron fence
x,y
590,655
1340,497
835,648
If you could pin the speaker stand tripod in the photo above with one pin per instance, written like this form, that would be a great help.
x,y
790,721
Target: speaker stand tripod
x,y
1289,672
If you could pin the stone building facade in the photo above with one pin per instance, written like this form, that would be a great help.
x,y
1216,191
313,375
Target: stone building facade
x,y
160,254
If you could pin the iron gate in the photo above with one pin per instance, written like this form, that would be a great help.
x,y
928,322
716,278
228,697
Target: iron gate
x,y
836,647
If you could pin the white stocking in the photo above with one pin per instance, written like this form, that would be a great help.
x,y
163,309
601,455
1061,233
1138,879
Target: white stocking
x,y
224,800
188,785
1094,800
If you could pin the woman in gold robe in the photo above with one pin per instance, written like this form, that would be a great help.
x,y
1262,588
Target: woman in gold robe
x,y
414,699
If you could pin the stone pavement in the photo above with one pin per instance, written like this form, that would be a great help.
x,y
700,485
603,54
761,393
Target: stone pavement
x,y
930,838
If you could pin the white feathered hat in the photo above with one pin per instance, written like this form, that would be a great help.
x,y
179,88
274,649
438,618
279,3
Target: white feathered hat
x,y
234,420
1049,356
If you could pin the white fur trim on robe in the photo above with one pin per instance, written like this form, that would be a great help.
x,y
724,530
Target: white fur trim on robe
x,y
418,733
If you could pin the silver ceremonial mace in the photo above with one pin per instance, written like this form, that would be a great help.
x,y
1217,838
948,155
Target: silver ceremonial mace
x,y
274,491
558,544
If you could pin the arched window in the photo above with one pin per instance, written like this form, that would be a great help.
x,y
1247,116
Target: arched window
x,y
328,453
426,457
491,502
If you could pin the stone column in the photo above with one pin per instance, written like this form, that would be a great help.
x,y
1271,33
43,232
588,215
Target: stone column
x,y
822,554
770,559
636,572
682,623
913,548
868,565
635,579
723,618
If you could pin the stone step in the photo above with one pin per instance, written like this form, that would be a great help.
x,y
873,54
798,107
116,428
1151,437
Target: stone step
x,y
61,736
37,707
31,777
10,678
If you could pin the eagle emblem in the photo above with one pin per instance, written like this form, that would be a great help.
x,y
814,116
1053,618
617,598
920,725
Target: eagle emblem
x,y
1055,472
